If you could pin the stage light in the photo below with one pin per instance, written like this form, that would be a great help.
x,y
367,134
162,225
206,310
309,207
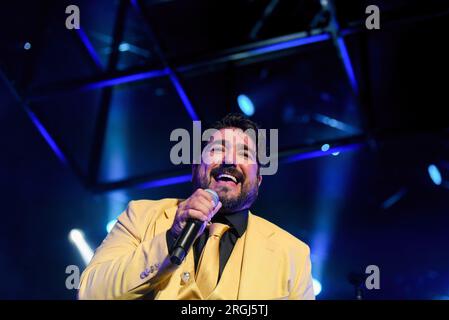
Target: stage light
x,y
325,147
246,105
434,174
27,46
336,124
336,153
77,238
110,225
123,47
316,286
394,198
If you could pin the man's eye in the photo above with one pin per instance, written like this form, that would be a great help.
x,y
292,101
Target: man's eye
x,y
246,154
217,149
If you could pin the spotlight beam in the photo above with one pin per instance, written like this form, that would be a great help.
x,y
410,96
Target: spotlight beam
x,y
77,238
336,124
388,203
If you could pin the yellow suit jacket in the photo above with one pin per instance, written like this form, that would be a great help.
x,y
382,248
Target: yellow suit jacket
x,y
133,260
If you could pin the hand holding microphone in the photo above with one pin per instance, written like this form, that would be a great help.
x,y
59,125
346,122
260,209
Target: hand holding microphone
x,y
191,220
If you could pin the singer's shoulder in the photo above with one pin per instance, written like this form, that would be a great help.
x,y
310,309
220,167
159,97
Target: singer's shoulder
x,y
280,236
140,214
146,204
147,209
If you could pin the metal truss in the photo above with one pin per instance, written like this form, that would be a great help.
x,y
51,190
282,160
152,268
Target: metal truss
x,y
110,77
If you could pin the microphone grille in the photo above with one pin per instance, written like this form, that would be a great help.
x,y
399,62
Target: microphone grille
x,y
215,197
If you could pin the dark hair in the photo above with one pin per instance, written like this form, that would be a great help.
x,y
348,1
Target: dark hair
x,y
237,120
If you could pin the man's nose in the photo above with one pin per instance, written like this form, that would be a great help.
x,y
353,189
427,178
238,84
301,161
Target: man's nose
x,y
228,165
229,158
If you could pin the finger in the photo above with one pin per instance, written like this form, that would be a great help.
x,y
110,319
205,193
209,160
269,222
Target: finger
x,y
209,204
216,209
202,205
205,195
196,214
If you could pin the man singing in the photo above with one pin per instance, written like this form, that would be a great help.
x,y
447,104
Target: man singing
x,y
236,254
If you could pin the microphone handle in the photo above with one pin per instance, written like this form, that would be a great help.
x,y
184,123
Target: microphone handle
x,y
185,240
188,234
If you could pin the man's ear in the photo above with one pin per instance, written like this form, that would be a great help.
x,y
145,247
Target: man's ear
x,y
259,179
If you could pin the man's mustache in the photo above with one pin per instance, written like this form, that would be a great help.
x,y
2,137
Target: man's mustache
x,y
222,169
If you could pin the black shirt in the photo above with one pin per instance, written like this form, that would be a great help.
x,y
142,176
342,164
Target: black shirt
x,y
237,221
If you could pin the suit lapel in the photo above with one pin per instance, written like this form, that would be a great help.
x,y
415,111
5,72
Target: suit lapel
x,y
164,222
259,277
259,257
173,289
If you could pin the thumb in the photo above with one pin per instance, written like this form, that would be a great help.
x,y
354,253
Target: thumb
x,y
216,209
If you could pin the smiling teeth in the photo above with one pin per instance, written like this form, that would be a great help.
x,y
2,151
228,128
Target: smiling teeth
x,y
227,176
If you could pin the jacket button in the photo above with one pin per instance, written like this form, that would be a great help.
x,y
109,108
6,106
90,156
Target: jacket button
x,y
143,275
185,277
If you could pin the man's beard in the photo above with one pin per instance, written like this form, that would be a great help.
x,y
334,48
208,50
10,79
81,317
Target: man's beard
x,y
244,200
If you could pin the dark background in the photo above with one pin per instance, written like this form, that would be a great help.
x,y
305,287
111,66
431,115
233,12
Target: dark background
x,y
76,148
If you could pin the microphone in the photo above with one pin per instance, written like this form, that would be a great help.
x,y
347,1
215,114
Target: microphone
x,y
188,235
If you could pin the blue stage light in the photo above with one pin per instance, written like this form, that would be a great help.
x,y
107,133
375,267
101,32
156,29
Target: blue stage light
x,y
27,46
325,147
124,47
316,286
110,225
246,105
434,174
394,198
76,236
